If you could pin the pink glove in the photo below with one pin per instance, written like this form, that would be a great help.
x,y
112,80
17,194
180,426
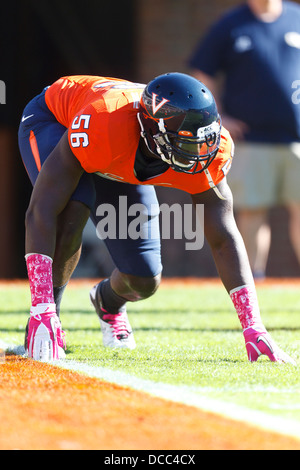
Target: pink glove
x,y
260,343
46,339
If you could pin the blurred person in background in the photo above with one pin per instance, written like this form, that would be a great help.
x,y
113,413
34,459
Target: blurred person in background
x,y
250,60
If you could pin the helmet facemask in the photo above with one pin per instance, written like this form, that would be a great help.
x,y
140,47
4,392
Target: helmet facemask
x,y
185,152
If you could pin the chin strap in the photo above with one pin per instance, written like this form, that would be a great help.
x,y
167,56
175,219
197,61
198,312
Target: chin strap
x,y
143,133
211,183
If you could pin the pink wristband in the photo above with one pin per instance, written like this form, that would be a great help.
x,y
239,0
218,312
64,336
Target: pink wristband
x,y
245,301
39,268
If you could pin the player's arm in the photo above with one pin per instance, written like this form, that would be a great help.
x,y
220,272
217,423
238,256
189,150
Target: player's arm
x,y
55,184
232,263
224,237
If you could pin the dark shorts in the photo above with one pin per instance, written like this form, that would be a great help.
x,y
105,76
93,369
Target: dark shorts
x,y
39,133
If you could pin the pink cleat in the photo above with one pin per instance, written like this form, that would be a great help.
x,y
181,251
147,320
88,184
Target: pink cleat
x,y
260,343
116,329
45,339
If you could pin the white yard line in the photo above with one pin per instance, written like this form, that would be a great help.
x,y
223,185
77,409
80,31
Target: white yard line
x,y
187,396
179,394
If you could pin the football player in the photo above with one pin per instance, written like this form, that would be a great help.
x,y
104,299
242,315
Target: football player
x,y
88,140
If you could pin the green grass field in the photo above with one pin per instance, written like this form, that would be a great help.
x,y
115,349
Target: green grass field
x,y
189,336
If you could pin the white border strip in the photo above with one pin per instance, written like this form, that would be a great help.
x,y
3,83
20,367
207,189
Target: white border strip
x,y
187,396
179,394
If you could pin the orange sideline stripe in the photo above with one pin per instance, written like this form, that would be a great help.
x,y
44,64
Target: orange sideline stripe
x,y
44,407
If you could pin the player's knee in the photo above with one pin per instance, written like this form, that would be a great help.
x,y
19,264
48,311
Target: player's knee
x,y
143,287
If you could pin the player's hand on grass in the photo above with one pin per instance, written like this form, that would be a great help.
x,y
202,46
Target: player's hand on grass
x,y
260,343
45,339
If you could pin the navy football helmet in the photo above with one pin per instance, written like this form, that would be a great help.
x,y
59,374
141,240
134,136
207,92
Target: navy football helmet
x,y
180,122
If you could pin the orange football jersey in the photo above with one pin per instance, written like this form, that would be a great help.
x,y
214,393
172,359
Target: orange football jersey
x,y
101,116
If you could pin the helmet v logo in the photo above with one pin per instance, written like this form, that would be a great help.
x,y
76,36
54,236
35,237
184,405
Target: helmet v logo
x,y
156,107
